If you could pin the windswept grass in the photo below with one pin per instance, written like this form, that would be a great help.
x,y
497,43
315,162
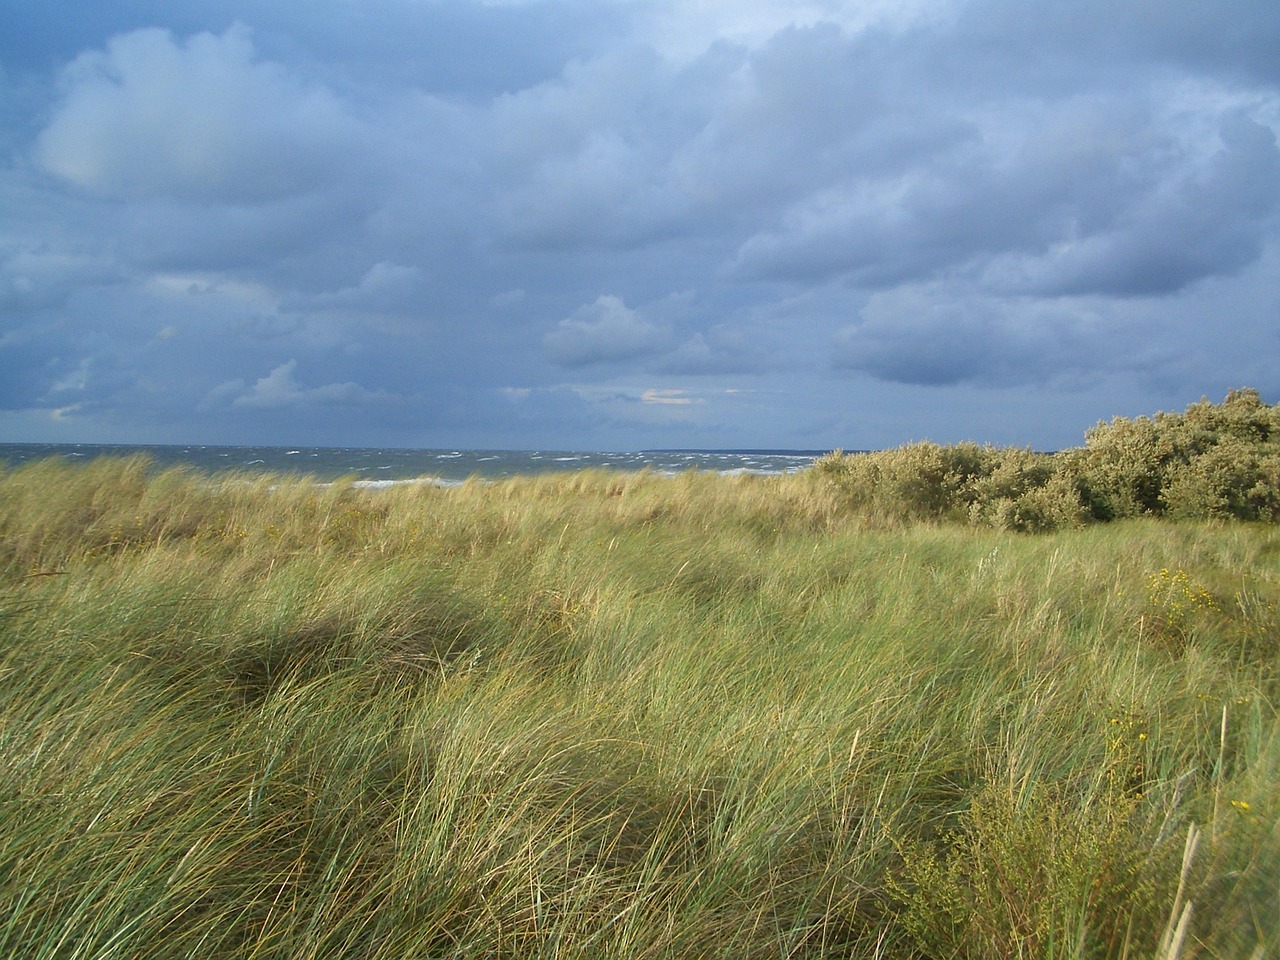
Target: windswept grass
x,y
620,715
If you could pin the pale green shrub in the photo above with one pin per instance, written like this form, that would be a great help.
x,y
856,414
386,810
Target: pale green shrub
x,y
1010,489
1213,461
1230,480
1210,461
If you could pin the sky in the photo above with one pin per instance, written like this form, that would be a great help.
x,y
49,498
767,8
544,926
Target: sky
x,y
627,224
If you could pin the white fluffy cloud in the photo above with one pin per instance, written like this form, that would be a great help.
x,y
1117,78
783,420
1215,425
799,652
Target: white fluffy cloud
x,y
603,332
280,389
195,119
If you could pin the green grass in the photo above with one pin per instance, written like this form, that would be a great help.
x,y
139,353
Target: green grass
x,y
607,715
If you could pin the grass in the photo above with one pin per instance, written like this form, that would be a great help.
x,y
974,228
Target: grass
x,y
607,715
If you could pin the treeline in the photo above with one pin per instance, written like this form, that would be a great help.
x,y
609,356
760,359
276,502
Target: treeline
x,y
1212,461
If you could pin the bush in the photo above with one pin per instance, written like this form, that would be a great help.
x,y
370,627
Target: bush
x,y
1035,875
1210,462
1010,489
1028,492
1230,480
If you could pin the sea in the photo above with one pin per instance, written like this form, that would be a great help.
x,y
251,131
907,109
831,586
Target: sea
x,y
380,466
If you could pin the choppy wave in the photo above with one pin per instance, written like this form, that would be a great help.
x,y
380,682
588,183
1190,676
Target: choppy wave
x,y
380,466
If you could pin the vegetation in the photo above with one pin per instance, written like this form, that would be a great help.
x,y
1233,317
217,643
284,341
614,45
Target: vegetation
x,y
604,715
1210,462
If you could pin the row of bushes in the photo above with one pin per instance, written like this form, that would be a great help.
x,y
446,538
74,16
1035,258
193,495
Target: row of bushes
x,y
1212,461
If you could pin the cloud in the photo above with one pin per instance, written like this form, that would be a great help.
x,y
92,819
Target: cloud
x,y
737,346
940,335
669,397
36,277
1049,41
1208,220
683,30
628,148
1074,203
1106,190
199,120
819,200
606,331
279,389
383,287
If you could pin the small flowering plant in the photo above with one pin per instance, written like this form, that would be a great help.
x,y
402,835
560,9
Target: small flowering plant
x,y
1128,735
1175,601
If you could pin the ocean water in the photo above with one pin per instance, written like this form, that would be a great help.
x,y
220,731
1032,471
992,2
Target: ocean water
x,y
377,466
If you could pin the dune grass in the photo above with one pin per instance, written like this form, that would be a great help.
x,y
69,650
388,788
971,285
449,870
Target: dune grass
x,y
608,715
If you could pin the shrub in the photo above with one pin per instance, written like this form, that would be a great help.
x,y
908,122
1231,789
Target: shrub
x,y
1126,464
1026,491
1210,461
1232,479
1011,489
1051,505
1035,875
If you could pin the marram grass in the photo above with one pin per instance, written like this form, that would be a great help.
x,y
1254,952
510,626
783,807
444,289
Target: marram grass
x,y
603,715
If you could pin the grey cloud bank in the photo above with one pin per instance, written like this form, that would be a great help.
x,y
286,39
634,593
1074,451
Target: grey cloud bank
x,y
629,224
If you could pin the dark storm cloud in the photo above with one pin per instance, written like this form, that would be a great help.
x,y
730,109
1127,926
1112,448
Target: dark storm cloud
x,y
412,218
932,336
1208,221
1096,197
